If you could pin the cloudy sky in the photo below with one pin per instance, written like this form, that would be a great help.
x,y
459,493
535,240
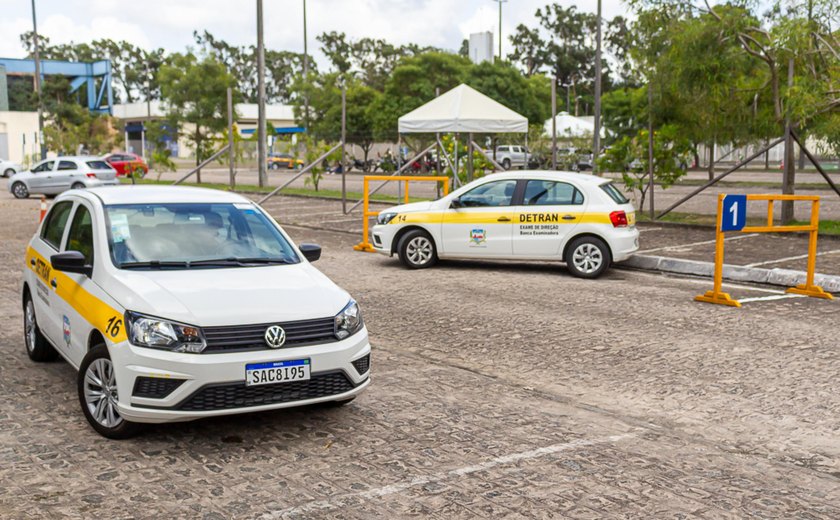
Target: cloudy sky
x,y
170,23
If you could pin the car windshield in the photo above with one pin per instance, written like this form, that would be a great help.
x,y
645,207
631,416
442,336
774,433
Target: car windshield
x,y
157,236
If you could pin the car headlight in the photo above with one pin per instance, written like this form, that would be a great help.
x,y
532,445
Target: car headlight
x,y
384,218
348,321
147,331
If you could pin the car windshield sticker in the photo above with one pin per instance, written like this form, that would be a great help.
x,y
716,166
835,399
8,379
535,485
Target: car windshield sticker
x,y
119,227
67,330
477,237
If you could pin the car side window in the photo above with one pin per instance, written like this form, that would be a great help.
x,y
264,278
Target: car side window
x,y
67,165
551,193
498,193
80,237
44,167
56,221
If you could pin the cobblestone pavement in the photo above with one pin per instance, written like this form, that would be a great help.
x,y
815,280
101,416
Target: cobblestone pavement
x,y
499,390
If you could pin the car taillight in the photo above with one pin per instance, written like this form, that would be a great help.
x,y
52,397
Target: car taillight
x,y
91,175
618,219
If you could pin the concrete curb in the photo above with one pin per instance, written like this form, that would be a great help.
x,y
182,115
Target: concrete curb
x,y
733,273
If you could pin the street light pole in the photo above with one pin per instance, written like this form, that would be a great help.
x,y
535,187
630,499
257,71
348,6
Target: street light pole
x,y
305,71
261,154
500,26
596,146
38,84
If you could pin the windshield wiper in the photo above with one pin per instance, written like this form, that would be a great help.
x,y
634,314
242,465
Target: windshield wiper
x,y
240,261
155,264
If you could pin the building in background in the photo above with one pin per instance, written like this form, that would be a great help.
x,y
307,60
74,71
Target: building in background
x,y
481,47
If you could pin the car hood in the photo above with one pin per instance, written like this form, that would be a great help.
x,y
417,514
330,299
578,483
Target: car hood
x,y
231,296
413,207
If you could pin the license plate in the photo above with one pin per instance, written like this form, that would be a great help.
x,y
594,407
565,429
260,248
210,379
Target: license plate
x,y
276,372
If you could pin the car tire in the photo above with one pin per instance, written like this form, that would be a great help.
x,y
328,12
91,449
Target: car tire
x,y
506,164
417,250
20,191
78,186
274,166
37,346
9,172
588,257
98,396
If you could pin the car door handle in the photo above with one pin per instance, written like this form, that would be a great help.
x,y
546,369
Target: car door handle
x,y
54,283
569,217
502,219
32,262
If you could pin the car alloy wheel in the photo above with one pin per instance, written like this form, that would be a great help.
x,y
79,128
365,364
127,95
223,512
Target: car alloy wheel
x,y
8,173
588,258
78,186
419,250
19,191
101,393
30,326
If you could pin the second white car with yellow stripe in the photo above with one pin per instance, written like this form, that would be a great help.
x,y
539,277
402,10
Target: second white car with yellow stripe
x,y
580,219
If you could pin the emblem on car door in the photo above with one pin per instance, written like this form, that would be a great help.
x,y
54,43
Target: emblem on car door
x,y
275,336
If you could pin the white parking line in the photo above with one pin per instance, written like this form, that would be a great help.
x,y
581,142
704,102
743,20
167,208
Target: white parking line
x,y
682,246
771,298
676,276
788,259
352,498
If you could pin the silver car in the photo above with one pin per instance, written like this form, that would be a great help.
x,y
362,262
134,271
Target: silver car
x,y
8,168
53,176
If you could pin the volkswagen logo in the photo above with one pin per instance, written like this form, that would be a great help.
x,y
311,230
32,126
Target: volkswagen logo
x,y
275,336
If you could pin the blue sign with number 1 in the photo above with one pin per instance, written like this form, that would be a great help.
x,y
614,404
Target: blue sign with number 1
x,y
734,216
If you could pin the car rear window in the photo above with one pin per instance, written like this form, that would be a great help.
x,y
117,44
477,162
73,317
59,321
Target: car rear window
x,y
614,193
98,165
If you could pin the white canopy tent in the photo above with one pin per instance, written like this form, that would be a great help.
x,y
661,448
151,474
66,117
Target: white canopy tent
x,y
571,126
463,109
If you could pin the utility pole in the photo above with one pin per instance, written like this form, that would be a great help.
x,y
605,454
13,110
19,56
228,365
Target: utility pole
x,y
305,71
650,151
790,167
596,143
567,86
500,26
38,84
554,123
231,152
343,146
261,157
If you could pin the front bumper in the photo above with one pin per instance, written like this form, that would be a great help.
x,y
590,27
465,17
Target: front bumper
x,y
382,237
214,384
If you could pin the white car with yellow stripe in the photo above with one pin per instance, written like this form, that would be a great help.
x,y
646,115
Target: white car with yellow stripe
x,y
532,215
181,303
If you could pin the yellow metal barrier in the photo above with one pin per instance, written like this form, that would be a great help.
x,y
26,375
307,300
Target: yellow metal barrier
x,y
808,288
364,245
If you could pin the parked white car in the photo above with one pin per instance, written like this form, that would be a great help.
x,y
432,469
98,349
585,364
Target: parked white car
x,y
53,176
8,168
580,219
180,303
510,156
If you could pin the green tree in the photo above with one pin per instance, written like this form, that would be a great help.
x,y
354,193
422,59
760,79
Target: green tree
x,y
195,98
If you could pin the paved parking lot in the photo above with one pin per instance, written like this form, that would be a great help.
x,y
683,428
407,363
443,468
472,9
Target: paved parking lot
x,y
499,390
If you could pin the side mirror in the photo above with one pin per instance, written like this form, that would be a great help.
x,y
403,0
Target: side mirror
x,y
71,262
456,203
311,252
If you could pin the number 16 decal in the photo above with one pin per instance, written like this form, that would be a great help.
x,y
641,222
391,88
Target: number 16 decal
x,y
113,328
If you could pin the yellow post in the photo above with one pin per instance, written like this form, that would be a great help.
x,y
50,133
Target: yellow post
x,y
406,192
809,289
364,245
716,295
770,213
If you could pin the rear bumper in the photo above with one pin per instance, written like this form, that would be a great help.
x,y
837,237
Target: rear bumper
x,y
623,243
208,385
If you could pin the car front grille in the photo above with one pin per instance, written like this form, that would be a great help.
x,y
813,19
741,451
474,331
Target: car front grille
x,y
155,387
252,337
362,365
237,395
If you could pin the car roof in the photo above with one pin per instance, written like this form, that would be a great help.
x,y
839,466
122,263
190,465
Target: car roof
x,y
145,194
583,178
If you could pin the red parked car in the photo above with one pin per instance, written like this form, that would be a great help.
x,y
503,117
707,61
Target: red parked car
x,y
125,163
